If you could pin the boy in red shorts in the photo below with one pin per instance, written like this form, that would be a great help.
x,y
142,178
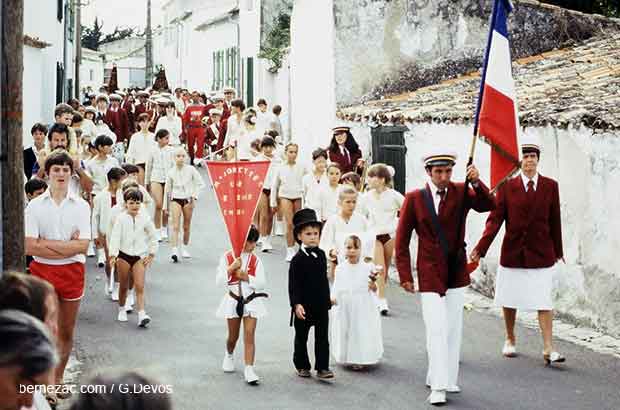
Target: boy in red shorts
x,y
57,236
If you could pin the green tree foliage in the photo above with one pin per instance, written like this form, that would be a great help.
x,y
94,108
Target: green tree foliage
x,y
278,41
610,8
93,37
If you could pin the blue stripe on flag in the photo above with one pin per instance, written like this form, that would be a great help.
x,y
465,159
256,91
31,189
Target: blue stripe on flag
x,y
499,23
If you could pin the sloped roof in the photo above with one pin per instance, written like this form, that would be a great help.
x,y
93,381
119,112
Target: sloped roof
x,y
573,86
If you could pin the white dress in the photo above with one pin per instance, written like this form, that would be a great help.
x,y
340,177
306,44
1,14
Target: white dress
x,y
227,308
524,289
356,335
312,192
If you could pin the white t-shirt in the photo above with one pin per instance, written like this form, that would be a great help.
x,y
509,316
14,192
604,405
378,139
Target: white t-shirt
x,y
98,171
173,126
140,147
47,220
383,210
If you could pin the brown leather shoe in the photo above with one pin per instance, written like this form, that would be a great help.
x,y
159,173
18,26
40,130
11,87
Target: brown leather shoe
x,y
303,373
325,374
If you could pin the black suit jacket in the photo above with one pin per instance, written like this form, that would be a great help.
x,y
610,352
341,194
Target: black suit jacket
x,y
29,160
308,284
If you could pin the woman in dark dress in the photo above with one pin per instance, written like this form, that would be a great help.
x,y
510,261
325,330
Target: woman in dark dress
x,y
345,151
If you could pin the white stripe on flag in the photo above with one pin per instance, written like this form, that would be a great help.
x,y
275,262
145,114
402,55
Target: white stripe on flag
x,y
499,68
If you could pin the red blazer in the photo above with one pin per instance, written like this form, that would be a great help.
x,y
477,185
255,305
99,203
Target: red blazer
x,y
342,160
118,123
533,236
211,135
431,264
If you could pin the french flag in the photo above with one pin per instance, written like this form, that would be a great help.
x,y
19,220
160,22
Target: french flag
x,y
496,115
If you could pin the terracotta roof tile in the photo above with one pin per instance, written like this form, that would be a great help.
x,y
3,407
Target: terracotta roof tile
x,y
573,86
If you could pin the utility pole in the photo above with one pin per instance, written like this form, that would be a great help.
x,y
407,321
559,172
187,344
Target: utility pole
x,y
78,47
149,46
11,155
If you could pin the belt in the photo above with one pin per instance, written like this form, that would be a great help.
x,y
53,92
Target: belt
x,y
250,298
194,126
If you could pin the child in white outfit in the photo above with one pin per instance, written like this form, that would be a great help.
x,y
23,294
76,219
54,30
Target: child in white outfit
x,y
244,277
356,335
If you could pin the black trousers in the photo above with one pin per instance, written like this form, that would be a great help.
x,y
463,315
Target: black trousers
x,y
320,321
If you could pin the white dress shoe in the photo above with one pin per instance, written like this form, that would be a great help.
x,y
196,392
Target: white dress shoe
x,y
185,253
453,389
250,376
228,364
509,350
266,245
437,397
553,357
143,319
122,314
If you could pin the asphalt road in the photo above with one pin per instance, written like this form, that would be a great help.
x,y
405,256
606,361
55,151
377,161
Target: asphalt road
x,y
184,347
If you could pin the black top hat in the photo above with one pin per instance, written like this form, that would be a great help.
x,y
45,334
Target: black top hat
x,y
302,218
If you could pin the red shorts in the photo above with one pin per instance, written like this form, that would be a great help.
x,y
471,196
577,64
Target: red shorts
x,y
67,280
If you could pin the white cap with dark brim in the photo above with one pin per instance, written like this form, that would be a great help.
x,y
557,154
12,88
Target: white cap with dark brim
x,y
215,111
439,158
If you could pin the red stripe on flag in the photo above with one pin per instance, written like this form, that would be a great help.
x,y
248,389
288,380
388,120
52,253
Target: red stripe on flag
x,y
499,128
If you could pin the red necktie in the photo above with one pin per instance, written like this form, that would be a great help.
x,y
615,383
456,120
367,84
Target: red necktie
x,y
530,193
442,201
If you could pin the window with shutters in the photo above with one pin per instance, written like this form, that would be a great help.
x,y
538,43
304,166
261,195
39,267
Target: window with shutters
x,y
225,68
70,21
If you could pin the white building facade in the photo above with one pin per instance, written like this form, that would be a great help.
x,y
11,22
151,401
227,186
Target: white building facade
x,y
49,60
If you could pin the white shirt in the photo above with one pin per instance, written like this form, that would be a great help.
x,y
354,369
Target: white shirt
x,y
329,201
383,210
147,200
436,196
173,126
134,236
264,121
140,147
234,129
525,180
336,230
183,183
287,183
47,220
102,206
275,162
312,191
256,282
98,170
179,104
103,129
89,129
158,164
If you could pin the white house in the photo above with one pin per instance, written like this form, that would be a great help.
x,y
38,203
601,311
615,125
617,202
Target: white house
x,y
49,59
129,57
91,70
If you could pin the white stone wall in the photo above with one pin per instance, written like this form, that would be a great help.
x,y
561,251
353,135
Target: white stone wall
x,y
587,168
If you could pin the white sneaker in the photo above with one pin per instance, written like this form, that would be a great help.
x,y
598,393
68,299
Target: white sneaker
x,y
143,319
174,255
115,292
453,389
158,235
164,233
185,253
100,258
509,350
250,376
383,307
122,314
290,252
266,245
228,364
437,397
91,249
280,225
260,241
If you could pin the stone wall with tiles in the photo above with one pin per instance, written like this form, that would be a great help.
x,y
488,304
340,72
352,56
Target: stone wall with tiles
x,y
385,47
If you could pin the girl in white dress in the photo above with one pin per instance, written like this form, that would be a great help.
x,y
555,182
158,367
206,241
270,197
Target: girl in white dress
x,y
159,162
382,205
314,181
356,335
244,274
329,193
287,191
183,183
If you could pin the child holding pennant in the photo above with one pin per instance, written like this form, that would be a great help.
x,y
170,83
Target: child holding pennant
x,y
244,278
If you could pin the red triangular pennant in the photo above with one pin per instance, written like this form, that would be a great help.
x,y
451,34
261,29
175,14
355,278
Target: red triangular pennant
x,y
237,187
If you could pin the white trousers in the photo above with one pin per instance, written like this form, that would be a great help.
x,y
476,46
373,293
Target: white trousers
x,y
443,319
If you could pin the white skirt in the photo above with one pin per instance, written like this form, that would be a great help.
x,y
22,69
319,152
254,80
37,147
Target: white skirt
x,y
525,289
355,327
228,308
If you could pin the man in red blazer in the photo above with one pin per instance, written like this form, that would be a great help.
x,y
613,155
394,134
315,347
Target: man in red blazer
x,y
434,213
216,130
118,117
530,206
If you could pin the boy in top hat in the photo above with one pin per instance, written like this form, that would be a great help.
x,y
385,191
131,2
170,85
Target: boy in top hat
x,y
530,205
437,212
216,129
308,289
